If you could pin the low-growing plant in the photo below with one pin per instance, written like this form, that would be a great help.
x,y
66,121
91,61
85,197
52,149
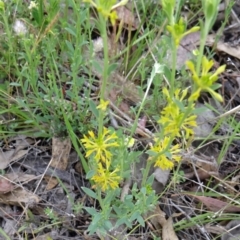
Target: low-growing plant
x,y
108,155
51,100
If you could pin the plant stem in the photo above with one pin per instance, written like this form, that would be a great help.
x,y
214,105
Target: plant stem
x,y
103,30
173,73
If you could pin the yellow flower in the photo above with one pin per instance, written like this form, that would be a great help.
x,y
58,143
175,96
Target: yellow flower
x,y
106,179
100,145
106,8
178,31
32,5
165,154
129,142
205,82
113,17
103,105
176,94
173,117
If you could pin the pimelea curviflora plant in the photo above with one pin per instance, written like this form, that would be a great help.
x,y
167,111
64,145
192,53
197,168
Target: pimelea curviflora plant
x,y
107,152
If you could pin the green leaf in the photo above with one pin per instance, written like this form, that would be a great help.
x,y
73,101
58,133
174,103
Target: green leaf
x,y
70,46
143,190
124,220
199,110
134,216
15,84
91,211
108,225
179,104
71,31
93,108
151,153
112,67
141,220
216,86
150,180
97,66
90,174
89,192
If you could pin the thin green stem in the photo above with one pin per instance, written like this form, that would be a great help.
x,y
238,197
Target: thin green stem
x,y
103,30
146,171
99,196
173,73
201,49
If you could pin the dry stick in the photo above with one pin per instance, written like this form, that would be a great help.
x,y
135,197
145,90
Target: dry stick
x,y
48,28
228,112
201,229
125,189
141,130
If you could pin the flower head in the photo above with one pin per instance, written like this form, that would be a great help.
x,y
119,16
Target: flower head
x,y
106,8
205,82
173,116
99,146
32,5
129,142
103,105
19,27
165,154
178,31
105,179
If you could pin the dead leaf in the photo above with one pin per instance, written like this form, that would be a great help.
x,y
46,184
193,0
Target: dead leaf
x,y
160,179
5,186
159,217
126,17
205,122
168,232
233,231
201,173
11,156
216,229
10,227
216,205
222,46
60,154
21,142
20,177
46,236
206,163
18,197
6,181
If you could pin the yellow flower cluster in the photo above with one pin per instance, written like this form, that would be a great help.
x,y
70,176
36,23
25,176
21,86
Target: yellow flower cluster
x,y
175,121
99,148
106,179
205,82
173,116
165,154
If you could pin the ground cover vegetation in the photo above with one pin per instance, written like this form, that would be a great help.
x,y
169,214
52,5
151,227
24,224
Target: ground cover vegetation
x,y
119,119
